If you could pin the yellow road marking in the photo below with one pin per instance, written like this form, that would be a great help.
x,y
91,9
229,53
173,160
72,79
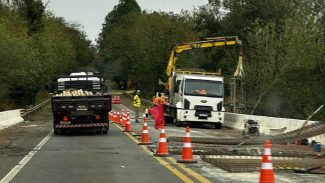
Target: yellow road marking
x,y
190,171
130,136
170,167
174,170
161,161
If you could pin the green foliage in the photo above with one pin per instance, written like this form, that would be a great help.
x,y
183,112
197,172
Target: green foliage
x,y
137,50
284,49
28,62
34,10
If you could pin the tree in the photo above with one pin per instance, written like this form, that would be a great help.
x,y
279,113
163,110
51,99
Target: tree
x,y
137,50
29,62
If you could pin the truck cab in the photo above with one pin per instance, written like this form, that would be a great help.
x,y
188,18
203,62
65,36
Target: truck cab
x,y
196,98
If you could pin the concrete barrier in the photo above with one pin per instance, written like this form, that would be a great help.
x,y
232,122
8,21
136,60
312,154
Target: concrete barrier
x,y
10,118
269,125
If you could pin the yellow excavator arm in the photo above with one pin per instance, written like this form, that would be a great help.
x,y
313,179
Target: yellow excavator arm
x,y
207,43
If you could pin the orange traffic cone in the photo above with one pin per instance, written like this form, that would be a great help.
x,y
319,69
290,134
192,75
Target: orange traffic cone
x,y
162,150
128,126
145,139
266,172
114,117
109,116
123,122
118,118
126,118
187,155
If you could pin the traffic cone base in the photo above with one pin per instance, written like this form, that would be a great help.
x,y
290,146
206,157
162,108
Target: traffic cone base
x,y
162,150
186,161
145,143
187,155
162,155
145,139
128,127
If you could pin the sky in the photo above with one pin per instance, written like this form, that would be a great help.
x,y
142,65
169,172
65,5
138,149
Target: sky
x,y
90,14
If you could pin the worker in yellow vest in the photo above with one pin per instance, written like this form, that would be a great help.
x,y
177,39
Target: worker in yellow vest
x,y
137,105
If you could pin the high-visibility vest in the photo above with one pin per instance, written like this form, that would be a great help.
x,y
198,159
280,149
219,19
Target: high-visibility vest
x,y
158,101
136,101
162,100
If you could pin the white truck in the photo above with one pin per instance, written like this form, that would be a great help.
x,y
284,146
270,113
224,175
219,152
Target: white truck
x,y
195,97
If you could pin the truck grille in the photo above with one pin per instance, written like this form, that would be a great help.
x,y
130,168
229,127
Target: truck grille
x,y
203,112
203,108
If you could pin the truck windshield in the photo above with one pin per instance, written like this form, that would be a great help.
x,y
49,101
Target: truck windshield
x,y
206,88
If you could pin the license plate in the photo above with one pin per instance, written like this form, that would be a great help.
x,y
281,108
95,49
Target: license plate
x,y
65,123
82,109
203,115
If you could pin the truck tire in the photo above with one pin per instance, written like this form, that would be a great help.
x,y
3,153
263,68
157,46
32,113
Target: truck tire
x,y
168,119
56,131
178,123
56,120
218,125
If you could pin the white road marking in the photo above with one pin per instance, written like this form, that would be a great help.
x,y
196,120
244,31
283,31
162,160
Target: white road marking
x,y
13,172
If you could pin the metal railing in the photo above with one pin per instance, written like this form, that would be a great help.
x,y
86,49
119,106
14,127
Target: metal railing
x,y
27,112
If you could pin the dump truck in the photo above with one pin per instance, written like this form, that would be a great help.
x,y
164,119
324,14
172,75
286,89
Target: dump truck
x,y
80,101
195,96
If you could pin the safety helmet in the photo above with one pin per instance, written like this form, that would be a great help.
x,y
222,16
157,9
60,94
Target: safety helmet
x,y
138,91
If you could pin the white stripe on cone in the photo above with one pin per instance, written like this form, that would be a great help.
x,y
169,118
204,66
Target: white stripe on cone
x,y
267,151
267,166
162,140
187,144
187,135
162,130
145,131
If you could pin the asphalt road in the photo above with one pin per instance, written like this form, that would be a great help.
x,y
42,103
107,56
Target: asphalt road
x,y
89,157
86,157
93,158
26,156
19,140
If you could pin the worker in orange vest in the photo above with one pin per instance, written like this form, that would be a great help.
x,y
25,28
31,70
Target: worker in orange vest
x,y
159,100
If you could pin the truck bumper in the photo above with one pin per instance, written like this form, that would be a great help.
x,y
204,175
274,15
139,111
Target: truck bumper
x,y
189,116
89,125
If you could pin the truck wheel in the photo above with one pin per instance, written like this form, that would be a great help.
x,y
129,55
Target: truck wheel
x,y
218,125
56,131
168,119
178,123
56,120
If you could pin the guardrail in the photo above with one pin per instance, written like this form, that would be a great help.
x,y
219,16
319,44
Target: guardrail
x,y
27,112
10,118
